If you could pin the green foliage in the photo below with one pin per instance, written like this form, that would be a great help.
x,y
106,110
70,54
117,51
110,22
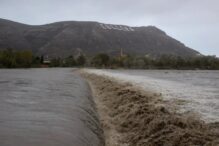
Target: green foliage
x,y
165,62
25,59
100,60
15,59
127,61
65,62
7,58
56,62
173,62
81,60
36,61
69,62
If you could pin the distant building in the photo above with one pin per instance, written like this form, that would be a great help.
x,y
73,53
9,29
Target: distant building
x,y
46,60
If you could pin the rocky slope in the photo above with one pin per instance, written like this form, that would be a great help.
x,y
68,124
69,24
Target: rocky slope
x,y
67,38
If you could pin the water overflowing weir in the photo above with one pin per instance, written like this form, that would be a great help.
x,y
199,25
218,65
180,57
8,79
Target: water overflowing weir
x,y
47,107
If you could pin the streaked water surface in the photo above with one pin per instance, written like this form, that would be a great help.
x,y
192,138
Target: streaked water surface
x,y
46,107
199,89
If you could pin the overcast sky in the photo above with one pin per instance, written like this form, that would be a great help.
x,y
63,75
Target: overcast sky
x,y
193,22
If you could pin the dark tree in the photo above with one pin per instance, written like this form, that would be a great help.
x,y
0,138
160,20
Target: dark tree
x,y
69,62
101,60
81,60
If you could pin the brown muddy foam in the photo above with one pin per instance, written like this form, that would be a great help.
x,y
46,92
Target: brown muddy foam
x,y
131,117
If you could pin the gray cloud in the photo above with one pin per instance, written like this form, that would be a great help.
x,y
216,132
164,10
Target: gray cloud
x,y
194,22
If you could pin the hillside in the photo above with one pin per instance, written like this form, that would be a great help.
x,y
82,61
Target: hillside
x,y
67,38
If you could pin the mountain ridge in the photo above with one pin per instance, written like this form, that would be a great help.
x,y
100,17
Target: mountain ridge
x,y
60,39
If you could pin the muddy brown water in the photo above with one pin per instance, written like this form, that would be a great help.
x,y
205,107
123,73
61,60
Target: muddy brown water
x,y
47,107
197,89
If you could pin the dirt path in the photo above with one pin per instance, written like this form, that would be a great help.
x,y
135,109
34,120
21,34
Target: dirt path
x,y
131,117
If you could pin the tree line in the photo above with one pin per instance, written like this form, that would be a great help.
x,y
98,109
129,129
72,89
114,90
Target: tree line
x,y
161,62
26,59
10,58
15,59
69,61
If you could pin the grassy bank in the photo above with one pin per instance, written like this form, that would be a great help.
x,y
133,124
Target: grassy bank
x,y
131,117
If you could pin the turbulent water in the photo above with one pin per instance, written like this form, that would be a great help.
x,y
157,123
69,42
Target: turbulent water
x,y
198,90
46,107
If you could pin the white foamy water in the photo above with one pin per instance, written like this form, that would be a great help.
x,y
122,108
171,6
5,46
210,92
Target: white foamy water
x,y
200,89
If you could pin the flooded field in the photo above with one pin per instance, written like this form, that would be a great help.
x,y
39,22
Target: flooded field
x,y
197,91
47,107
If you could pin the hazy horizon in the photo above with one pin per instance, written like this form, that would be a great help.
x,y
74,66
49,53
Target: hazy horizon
x,y
193,22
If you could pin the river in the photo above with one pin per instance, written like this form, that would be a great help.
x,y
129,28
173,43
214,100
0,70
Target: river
x,y
197,91
47,107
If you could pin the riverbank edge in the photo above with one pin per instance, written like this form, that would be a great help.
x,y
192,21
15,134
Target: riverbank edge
x,y
132,117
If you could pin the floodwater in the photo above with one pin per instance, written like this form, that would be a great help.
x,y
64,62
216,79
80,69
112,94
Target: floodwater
x,y
197,91
47,107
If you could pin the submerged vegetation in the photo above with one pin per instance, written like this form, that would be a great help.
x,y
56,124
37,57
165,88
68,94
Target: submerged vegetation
x,y
25,59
